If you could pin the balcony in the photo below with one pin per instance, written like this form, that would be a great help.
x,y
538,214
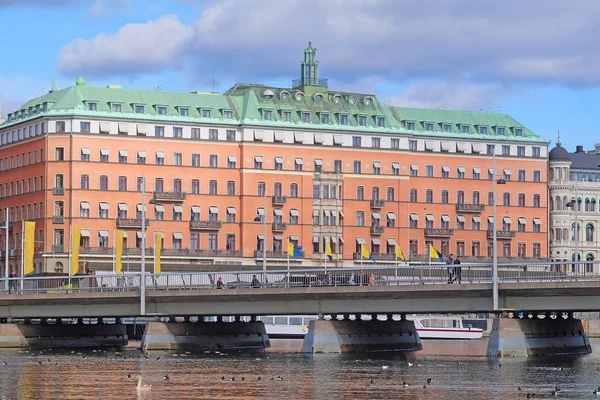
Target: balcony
x,y
58,248
206,225
377,230
58,191
131,222
201,253
378,203
309,82
96,250
474,208
169,196
275,254
279,200
279,227
501,234
432,232
58,219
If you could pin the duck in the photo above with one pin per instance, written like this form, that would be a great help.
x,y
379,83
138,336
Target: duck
x,y
166,378
428,381
596,392
554,393
410,364
279,378
129,375
259,378
404,384
222,378
518,387
384,367
158,358
142,387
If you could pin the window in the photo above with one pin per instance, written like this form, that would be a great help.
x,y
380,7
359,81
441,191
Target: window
x,y
177,185
231,160
506,150
429,196
356,141
536,200
429,171
212,187
230,135
159,185
395,168
213,134
395,143
521,175
103,182
104,153
537,176
230,214
521,224
159,131
475,223
324,118
293,190
231,188
139,109
390,194
195,160
483,130
376,168
116,107
412,145
490,148
376,142
465,129
122,183
521,199
298,164
447,128
381,122
84,209
162,110
490,201
460,197
177,212
337,166
286,116
315,217
206,113
475,197
445,172
316,191
195,133
410,126
460,222
535,152
267,115
294,217
521,150
475,248
59,154
123,156
261,189
139,184
195,213
357,167
360,218
184,112
103,210
177,159
343,119
506,199
213,161
85,154
460,172
195,186
413,195
177,132
518,131
306,117
141,157
428,126
589,234
84,126
500,131
258,162
362,120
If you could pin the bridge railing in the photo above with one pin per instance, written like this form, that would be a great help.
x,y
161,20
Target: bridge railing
x,y
373,275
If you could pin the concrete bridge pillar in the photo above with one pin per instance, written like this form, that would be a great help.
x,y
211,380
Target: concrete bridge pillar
x,y
356,336
516,337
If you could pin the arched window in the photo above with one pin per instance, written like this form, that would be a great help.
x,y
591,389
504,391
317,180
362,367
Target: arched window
x,y
391,194
573,231
589,232
589,257
277,189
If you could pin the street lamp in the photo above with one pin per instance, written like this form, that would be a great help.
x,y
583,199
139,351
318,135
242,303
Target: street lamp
x,y
264,220
500,181
143,255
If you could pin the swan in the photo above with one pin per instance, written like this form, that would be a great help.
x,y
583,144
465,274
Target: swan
x,y
142,387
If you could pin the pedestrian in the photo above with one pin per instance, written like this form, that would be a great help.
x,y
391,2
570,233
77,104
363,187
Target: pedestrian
x,y
450,261
13,284
372,281
220,283
457,270
329,279
306,280
255,282
364,280
351,280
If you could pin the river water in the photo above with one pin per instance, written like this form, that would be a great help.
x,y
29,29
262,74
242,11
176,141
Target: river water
x,y
457,371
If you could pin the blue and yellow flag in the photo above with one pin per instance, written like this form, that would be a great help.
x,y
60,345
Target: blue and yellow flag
x,y
365,253
433,253
293,250
328,251
399,253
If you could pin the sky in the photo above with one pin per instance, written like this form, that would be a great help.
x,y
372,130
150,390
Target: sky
x,y
537,60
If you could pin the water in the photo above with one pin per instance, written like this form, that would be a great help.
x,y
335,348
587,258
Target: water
x,y
462,376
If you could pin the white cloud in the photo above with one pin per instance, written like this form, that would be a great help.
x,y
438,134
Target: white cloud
x,y
134,49
454,40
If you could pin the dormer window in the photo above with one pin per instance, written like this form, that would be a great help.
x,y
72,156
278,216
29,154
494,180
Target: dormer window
x,y
38,108
447,128
184,111
344,119
286,116
362,120
92,106
410,125
381,122
428,126
501,131
161,110
306,117
465,128
206,113
139,109
518,131
324,118
228,114
483,130
267,115
116,107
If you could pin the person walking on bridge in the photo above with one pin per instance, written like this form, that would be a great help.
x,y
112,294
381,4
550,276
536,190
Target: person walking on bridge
x,y
255,282
450,261
13,284
220,283
457,270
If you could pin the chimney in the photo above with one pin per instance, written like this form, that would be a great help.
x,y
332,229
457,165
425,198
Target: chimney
x,y
579,149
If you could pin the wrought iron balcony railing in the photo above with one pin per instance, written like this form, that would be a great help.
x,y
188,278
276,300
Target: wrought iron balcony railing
x,y
206,225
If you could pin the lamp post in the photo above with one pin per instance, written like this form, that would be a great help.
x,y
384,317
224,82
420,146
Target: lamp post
x,y
495,235
6,269
264,220
143,255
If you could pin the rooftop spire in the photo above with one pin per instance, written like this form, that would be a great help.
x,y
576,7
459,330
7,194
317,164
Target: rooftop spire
x,y
309,69
558,138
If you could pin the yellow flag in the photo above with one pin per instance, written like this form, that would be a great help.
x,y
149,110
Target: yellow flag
x,y
119,251
399,253
29,246
75,239
433,253
158,237
365,253
328,251
291,248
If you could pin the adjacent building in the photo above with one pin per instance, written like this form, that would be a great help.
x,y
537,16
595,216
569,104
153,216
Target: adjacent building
x,y
574,191
324,167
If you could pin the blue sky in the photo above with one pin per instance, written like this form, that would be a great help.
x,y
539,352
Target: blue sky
x,y
537,60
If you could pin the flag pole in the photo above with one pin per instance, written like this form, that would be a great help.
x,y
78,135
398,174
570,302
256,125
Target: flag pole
x,y
288,261
114,251
22,253
6,269
361,255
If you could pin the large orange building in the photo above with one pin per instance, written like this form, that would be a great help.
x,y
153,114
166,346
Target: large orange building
x,y
332,167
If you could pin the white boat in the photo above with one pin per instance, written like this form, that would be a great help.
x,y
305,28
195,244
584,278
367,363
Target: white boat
x,y
428,327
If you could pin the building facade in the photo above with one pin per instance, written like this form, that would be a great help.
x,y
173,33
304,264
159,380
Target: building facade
x,y
574,190
321,166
